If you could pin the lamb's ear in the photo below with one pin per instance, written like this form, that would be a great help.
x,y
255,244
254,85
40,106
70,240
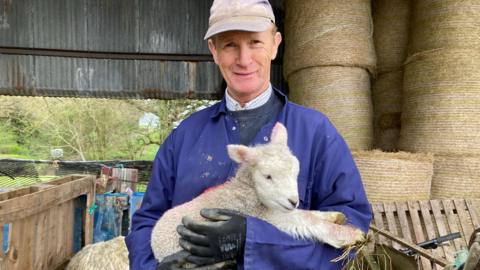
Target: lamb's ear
x,y
242,154
279,134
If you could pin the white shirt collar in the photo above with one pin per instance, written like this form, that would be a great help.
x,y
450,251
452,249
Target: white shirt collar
x,y
233,105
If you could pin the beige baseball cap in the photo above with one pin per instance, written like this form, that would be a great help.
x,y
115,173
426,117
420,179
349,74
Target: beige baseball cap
x,y
244,15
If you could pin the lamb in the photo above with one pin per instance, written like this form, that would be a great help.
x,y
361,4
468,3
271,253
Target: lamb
x,y
265,186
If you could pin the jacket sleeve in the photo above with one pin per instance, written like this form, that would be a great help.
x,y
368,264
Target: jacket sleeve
x,y
156,201
336,186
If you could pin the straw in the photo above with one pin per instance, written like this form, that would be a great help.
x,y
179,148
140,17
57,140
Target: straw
x,y
441,104
456,176
387,106
391,28
390,177
326,33
445,24
342,94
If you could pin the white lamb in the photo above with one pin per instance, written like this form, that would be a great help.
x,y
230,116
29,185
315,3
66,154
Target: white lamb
x,y
265,186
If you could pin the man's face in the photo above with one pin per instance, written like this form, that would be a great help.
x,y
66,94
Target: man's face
x,y
244,59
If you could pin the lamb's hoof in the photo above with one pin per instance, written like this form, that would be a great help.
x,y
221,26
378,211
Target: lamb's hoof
x,y
337,218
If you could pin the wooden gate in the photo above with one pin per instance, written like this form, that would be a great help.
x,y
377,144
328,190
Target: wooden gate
x,y
418,221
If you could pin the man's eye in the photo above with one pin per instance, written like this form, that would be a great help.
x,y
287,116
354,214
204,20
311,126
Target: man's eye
x,y
229,45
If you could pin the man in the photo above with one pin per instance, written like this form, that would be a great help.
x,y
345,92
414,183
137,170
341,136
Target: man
x,y
243,40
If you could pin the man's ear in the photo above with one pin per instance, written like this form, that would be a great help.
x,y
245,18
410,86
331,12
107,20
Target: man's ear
x,y
277,39
213,50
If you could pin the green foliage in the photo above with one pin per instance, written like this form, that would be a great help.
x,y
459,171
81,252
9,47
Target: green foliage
x,y
9,142
87,129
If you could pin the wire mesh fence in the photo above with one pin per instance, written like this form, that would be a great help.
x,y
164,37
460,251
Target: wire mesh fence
x,y
16,173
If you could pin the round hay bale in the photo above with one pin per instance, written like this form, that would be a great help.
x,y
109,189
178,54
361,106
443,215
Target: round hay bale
x,y
441,103
328,33
391,23
445,24
387,107
108,255
343,95
456,176
390,177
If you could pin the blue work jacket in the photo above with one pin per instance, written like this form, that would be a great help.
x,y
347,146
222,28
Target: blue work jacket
x,y
194,157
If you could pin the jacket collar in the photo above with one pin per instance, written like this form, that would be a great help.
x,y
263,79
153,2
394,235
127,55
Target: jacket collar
x,y
222,107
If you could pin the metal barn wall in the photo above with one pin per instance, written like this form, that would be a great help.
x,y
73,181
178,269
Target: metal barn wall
x,y
108,48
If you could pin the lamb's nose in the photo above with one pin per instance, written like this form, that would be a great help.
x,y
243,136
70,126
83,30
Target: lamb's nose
x,y
293,201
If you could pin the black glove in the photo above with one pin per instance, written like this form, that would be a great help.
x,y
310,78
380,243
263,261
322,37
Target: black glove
x,y
177,261
174,261
219,239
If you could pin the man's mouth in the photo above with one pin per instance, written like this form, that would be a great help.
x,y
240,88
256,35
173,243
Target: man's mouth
x,y
244,74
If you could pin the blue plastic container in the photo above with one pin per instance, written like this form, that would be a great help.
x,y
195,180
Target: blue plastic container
x,y
107,222
135,203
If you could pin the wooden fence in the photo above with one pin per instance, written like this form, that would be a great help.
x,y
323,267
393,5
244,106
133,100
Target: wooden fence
x,y
41,221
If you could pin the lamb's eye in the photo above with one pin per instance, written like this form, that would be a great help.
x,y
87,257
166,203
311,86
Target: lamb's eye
x,y
269,177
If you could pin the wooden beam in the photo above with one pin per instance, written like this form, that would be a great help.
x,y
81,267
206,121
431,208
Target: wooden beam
x,y
30,204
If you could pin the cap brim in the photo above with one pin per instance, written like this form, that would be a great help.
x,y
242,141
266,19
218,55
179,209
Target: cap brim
x,y
250,24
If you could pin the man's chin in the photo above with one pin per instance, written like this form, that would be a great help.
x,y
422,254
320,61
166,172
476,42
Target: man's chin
x,y
247,89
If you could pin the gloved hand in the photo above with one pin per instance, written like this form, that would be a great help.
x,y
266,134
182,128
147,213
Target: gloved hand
x,y
220,238
177,261
174,261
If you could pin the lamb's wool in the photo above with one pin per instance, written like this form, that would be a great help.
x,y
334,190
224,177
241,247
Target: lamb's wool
x,y
251,193
108,255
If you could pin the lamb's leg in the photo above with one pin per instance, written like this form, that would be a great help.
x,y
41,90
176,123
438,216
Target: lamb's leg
x,y
331,216
310,224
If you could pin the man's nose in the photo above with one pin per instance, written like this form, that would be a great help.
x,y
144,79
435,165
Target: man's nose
x,y
244,56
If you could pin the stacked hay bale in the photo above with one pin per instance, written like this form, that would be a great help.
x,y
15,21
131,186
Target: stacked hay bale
x,y
329,53
391,177
441,104
391,27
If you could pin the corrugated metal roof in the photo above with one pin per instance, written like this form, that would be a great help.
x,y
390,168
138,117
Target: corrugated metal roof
x,y
80,77
112,25
58,24
16,23
150,26
171,29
